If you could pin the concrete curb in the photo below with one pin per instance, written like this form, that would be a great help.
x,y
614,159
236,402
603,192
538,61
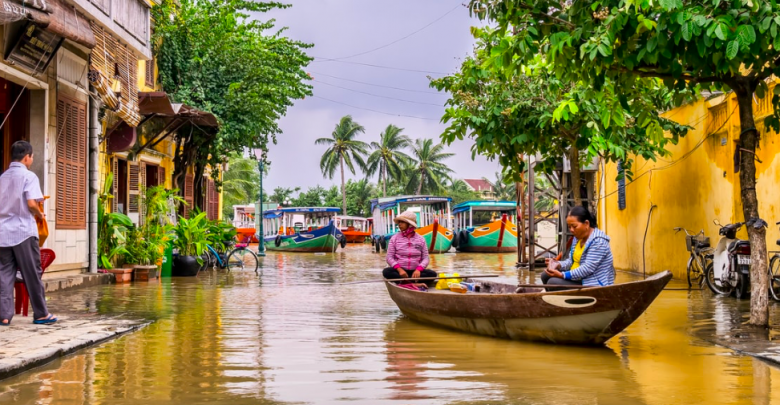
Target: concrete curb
x,y
27,359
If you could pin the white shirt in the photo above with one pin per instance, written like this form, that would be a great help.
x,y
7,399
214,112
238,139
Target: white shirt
x,y
17,223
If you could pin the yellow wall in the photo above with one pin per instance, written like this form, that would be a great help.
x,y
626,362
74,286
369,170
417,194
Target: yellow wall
x,y
690,188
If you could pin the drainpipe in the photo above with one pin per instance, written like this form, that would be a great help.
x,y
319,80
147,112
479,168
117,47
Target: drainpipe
x,y
94,127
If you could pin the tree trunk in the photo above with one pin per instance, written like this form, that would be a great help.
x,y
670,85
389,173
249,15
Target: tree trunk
x,y
384,180
419,186
576,179
343,187
748,140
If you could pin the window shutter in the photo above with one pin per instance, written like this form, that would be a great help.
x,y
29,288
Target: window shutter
x,y
621,186
141,190
115,186
161,176
134,183
212,198
150,73
71,169
189,193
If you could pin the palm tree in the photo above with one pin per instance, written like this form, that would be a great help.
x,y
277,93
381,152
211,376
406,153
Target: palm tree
x,y
503,187
240,183
429,169
387,155
343,148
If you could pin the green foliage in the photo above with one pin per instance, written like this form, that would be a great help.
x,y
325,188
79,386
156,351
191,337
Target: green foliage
x,y
215,56
190,235
387,156
343,148
240,184
460,192
112,228
220,235
426,170
282,194
359,198
313,197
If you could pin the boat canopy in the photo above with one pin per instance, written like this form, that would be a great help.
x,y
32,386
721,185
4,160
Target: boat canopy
x,y
286,221
485,205
312,211
387,203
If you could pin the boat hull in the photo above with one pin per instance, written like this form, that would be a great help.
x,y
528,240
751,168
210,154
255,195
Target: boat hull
x,y
356,237
580,317
437,238
489,239
325,239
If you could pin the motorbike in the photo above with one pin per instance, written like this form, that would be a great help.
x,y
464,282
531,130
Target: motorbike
x,y
729,271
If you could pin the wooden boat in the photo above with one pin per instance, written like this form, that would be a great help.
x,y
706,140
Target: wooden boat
x,y
356,229
433,220
244,221
588,316
302,229
485,226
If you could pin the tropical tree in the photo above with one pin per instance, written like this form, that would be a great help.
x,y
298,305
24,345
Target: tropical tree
x,y
710,44
387,155
219,56
310,198
332,197
343,147
460,192
503,186
240,183
428,170
359,197
283,194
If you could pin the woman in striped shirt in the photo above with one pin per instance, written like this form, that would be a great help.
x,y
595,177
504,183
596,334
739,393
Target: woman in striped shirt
x,y
589,261
407,252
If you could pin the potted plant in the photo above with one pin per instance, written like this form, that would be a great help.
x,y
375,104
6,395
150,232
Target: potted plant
x,y
112,232
144,252
190,240
220,235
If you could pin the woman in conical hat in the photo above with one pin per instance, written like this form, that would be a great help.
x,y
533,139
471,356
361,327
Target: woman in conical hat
x,y
407,252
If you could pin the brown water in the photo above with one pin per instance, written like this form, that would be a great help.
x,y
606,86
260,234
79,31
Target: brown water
x,y
291,336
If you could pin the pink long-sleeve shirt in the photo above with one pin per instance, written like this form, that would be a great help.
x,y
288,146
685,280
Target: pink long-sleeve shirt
x,y
407,253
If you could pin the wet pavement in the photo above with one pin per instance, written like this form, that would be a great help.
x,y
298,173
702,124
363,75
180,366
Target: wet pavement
x,y
294,336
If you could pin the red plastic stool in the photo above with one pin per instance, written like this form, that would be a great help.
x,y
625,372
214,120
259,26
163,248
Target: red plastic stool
x,y
22,299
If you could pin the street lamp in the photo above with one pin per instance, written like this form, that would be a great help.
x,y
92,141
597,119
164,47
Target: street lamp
x,y
259,213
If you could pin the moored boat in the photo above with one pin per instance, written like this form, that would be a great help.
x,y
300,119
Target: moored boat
x,y
355,229
302,229
485,226
433,220
244,221
588,316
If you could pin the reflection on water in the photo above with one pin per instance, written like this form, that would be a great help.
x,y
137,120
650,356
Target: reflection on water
x,y
295,336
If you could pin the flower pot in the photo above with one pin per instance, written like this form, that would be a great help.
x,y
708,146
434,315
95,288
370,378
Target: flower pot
x,y
144,273
122,275
185,266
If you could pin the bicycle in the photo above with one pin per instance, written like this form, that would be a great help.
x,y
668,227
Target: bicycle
x,y
701,256
239,258
774,274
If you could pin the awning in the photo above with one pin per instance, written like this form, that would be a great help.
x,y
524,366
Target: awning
x,y
53,15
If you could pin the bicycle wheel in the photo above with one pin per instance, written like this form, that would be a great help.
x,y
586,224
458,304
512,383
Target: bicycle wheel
x,y
690,270
709,277
242,259
774,278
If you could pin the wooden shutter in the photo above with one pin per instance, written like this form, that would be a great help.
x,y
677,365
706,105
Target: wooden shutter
x,y
115,186
189,194
133,186
212,201
141,189
71,204
150,73
161,176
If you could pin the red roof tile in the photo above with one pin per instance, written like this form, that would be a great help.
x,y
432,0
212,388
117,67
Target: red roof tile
x,y
479,184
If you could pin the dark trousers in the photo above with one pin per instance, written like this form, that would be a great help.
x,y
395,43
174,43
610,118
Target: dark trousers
x,y
25,257
546,279
391,274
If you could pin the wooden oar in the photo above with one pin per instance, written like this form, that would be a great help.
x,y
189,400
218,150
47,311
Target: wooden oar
x,y
576,287
424,278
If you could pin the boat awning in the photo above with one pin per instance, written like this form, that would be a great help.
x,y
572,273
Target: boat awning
x,y
272,214
389,202
301,210
486,205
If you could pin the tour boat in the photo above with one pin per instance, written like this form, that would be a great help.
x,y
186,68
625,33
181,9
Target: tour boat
x,y
356,229
485,226
302,229
433,220
585,316
244,221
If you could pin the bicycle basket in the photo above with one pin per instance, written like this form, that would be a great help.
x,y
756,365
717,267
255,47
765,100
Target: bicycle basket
x,y
692,240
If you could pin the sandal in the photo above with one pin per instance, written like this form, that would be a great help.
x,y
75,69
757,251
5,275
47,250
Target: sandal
x,y
6,324
45,321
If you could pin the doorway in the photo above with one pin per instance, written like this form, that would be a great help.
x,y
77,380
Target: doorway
x,y
15,116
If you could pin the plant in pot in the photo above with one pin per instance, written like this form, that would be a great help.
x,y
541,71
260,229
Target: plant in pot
x,y
143,252
112,228
190,240
220,235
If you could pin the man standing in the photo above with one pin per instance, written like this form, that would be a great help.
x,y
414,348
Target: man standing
x,y
19,235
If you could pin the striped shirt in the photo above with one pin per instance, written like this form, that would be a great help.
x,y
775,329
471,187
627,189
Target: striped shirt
x,y
407,253
17,223
595,267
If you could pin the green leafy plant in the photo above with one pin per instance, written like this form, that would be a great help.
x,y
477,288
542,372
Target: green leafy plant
x,y
220,235
190,236
112,228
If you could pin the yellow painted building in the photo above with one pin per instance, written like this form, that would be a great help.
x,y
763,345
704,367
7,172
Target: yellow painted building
x,y
693,186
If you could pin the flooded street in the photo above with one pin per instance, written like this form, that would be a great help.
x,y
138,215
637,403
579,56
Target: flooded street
x,y
295,336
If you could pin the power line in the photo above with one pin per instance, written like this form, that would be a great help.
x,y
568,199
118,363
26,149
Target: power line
x,y
380,85
376,111
378,66
402,38
377,95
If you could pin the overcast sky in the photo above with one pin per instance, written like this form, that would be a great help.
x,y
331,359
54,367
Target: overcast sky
x,y
343,28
